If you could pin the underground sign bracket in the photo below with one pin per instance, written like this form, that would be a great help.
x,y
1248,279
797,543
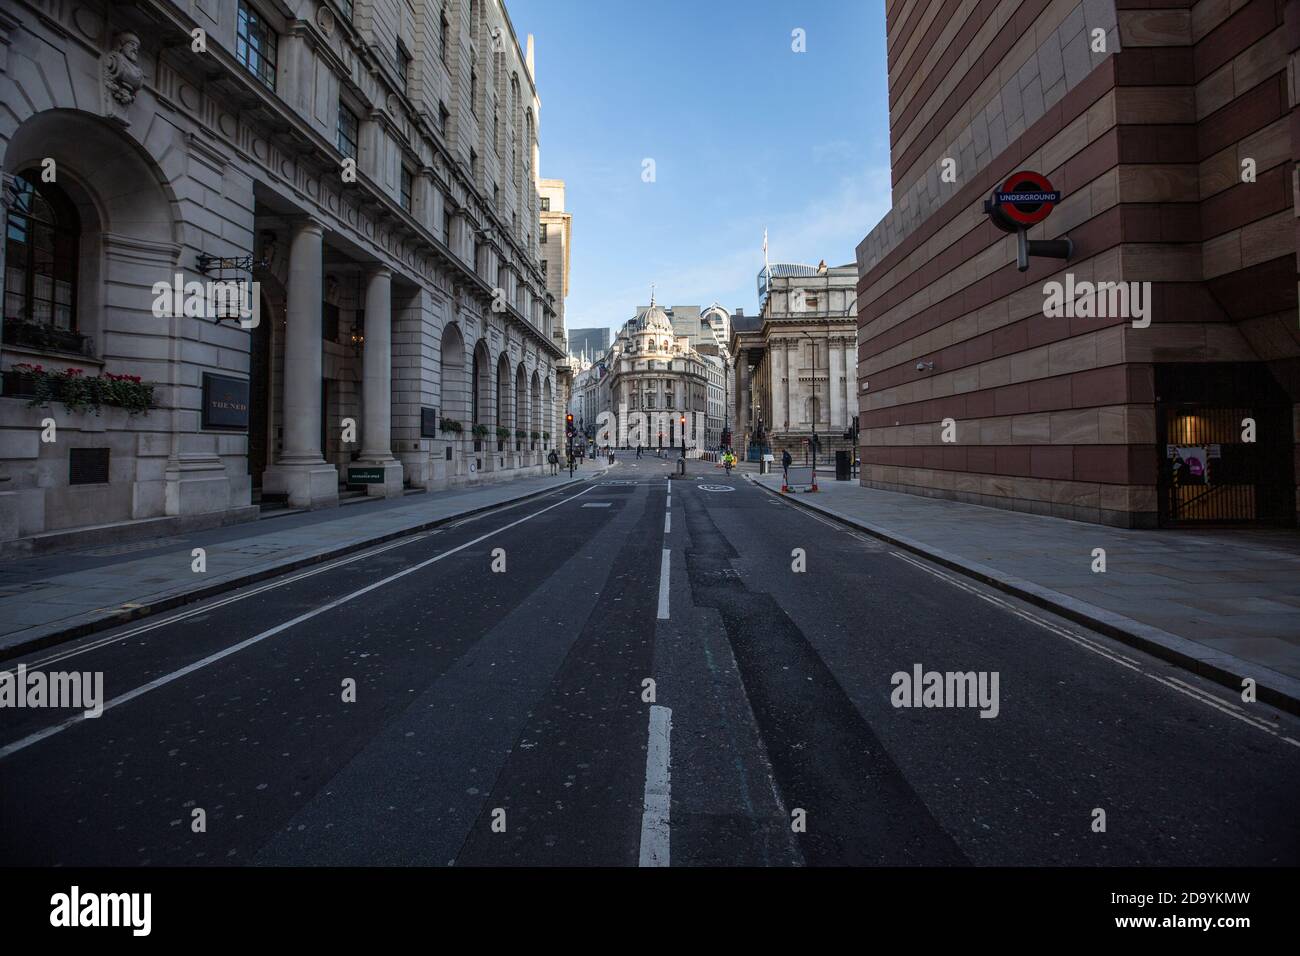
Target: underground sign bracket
x,y
1023,200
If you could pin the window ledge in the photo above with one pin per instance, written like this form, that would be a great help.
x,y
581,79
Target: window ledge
x,y
71,358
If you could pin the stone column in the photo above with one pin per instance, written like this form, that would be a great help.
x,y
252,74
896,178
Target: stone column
x,y
377,387
301,472
780,389
835,386
742,423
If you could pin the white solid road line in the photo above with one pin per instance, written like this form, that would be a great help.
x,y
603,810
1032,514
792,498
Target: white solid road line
x,y
654,817
664,564
256,638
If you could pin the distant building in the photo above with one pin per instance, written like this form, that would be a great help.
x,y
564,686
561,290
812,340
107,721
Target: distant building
x,y
664,364
588,342
796,362
554,239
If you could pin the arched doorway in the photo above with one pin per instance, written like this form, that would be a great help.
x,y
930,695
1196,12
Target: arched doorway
x,y
549,417
505,404
455,391
481,386
521,408
535,401
259,395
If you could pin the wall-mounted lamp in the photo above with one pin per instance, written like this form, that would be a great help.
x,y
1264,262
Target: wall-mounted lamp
x,y
925,366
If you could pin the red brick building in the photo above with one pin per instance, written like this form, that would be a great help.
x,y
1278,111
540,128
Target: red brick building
x,y
1171,130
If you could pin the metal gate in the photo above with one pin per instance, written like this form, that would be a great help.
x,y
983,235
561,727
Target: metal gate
x,y
1225,459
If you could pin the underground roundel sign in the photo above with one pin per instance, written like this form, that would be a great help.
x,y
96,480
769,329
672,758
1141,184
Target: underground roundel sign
x,y
1023,199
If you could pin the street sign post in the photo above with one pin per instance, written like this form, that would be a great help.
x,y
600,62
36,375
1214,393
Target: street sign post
x,y
1025,199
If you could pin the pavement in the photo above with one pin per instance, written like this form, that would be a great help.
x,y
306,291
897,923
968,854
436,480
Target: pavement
x,y
1223,603
632,671
45,600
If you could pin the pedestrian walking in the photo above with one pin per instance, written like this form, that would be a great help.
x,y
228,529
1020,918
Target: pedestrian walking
x,y
554,459
638,450
785,465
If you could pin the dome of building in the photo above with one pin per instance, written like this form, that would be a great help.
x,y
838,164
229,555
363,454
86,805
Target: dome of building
x,y
656,320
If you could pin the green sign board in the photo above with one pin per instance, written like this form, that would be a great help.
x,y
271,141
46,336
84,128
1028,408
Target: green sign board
x,y
365,476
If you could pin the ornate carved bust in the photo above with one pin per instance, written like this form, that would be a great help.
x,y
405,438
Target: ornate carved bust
x,y
122,73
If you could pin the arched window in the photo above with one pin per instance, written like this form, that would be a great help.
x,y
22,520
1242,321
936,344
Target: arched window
x,y
42,238
528,148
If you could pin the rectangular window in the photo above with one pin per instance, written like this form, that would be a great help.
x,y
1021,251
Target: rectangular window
x,y
544,267
446,227
496,125
473,88
255,45
444,27
347,132
404,69
405,191
443,116
546,204
346,7
473,165
541,236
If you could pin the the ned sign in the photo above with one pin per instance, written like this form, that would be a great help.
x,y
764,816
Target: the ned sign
x,y
225,402
365,476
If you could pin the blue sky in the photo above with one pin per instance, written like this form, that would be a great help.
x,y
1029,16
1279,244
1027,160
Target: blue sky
x,y
744,132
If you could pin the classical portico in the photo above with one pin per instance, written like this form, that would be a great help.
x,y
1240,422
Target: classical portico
x,y
796,362
376,391
300,471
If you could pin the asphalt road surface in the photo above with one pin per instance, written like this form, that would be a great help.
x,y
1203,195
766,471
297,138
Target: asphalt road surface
x,y
504,714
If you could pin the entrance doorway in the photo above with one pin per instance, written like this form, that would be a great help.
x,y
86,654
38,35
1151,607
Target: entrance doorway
x,y
259,395
1224,439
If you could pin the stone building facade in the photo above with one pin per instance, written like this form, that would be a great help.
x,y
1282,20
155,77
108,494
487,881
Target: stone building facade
x,y
663,365
366,172
795,375
555,240
1170,131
